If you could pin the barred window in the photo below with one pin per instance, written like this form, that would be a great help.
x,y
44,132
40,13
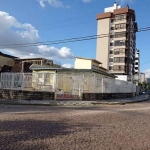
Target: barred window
x,y
110,59
119,59
120,26
120,17
120,43
47,77
119,51
118,68
120,34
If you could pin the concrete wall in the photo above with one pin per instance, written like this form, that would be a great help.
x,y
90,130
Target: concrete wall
x,y
34,95
105,96
102,50
83,63
25,95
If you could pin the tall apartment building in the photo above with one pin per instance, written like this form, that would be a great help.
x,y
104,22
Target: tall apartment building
x,y
116,44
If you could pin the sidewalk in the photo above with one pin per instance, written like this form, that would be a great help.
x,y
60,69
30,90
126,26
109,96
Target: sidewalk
x,y
75,103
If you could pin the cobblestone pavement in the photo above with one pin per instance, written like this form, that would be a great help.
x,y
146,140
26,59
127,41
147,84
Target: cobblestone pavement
x,y
105,127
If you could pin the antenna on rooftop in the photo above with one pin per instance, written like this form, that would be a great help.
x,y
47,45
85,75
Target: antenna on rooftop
x,y
127,6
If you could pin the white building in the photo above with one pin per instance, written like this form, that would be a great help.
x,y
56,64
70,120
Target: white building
x,y
142,77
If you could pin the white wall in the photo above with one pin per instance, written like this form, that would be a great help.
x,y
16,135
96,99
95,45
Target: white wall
x,y
82,64
122,77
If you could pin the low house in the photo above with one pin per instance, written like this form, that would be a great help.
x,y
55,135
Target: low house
x,y
39,61
87,63
68,79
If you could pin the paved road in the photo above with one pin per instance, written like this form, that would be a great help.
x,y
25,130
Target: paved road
x,y
105,127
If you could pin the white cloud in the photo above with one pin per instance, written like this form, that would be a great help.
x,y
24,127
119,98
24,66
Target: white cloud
x,y
53,52
125,1
13,32
87,1
147,73
57,3
67,66
54,3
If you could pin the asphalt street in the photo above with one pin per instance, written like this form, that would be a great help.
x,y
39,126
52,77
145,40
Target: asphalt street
x,y
103,127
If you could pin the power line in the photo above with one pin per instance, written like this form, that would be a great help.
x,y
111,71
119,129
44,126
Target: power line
x,y
70,40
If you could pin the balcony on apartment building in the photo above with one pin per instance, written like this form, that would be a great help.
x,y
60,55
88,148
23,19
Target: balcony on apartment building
x,y
120,19
118,71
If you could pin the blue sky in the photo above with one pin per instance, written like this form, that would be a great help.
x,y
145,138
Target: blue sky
x,y
30,21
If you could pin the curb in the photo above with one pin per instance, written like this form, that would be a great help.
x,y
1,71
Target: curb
x,y
121,103
64,103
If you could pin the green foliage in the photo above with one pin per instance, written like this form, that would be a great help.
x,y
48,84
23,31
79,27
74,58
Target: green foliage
x,y
144,85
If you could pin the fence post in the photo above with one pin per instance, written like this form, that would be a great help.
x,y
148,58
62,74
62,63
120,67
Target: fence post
x,y
94,83
12,81
22,87
1,80
102,85
54,85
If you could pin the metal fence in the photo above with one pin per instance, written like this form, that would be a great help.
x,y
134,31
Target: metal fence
x,y
65,85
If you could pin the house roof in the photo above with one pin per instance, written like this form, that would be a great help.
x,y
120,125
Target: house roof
x,y
94,60
36,68
23,59
6,55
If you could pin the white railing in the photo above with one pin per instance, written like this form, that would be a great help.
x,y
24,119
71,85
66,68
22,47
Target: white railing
x,y
64,83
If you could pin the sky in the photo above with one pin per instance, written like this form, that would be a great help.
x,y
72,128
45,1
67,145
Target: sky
x,y
37,21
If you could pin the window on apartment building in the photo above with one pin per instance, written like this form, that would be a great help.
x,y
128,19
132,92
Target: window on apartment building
x,y
111,44
117,17
110,52
119,51
110,59
120,17
118,68
119,60
136,63
110,67
112,20
120,34
112,36
120,43
120,26
112,28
